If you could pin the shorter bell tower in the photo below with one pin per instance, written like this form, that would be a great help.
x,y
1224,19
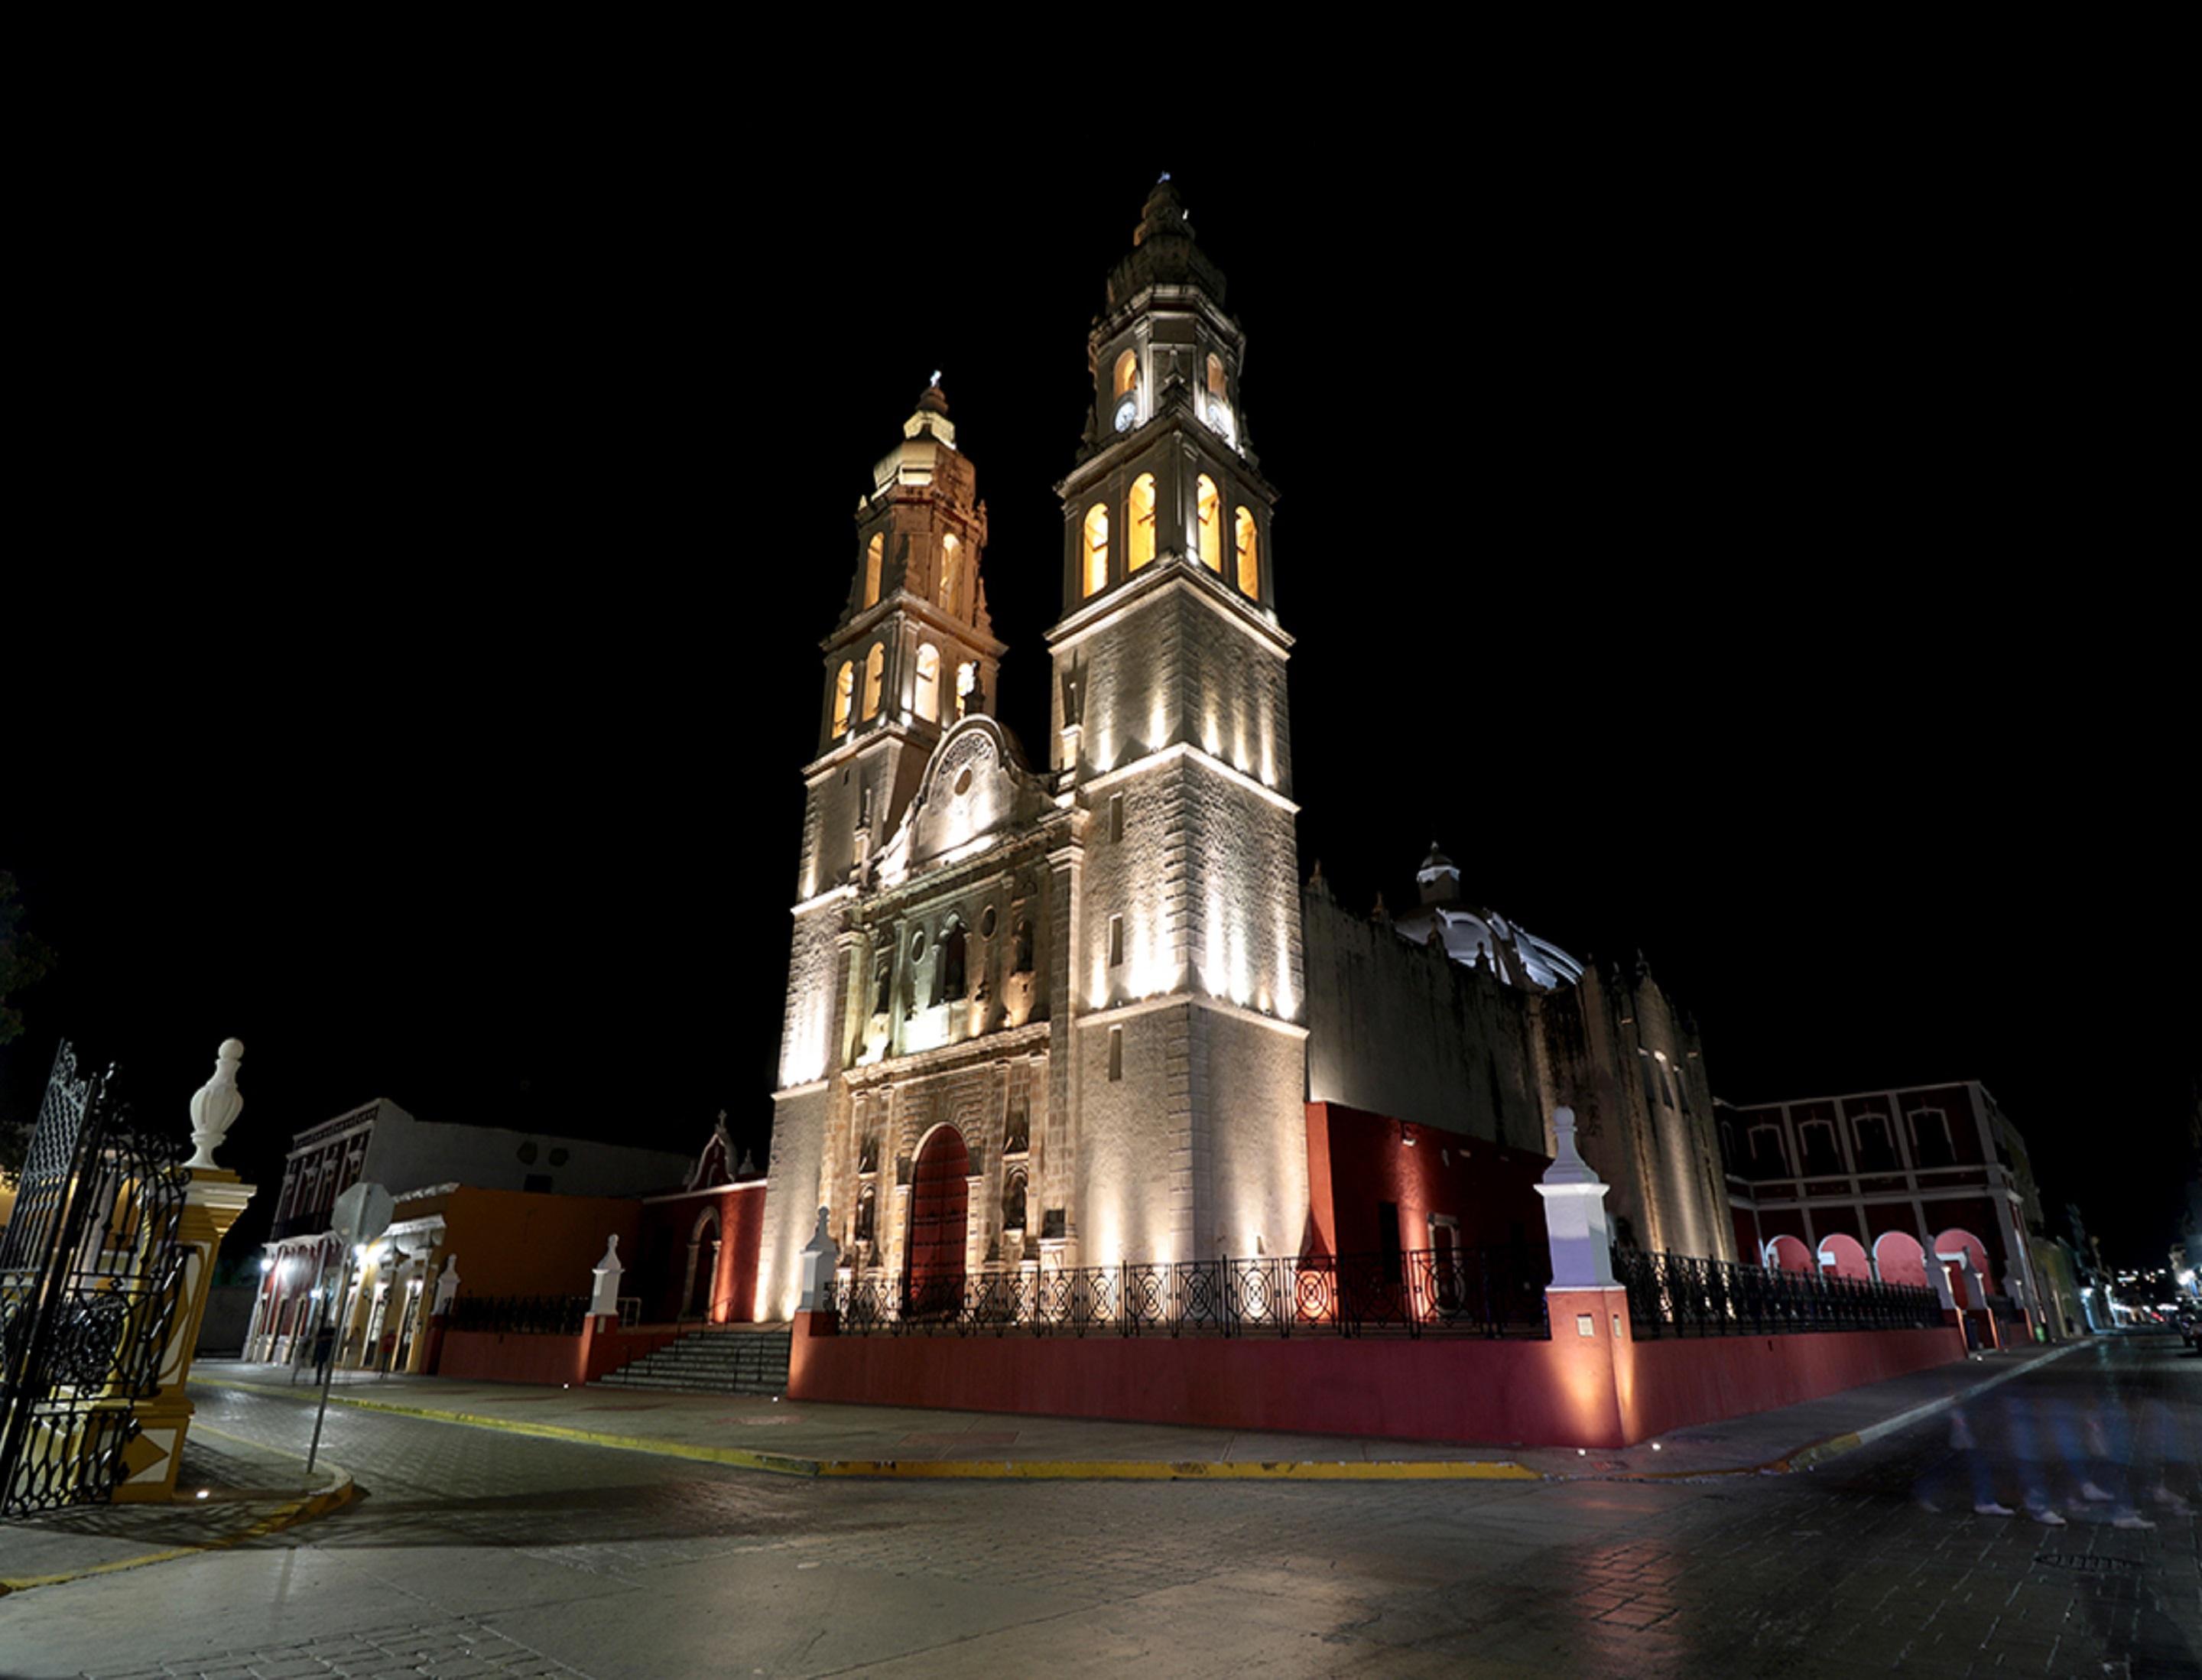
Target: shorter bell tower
x,y
914,651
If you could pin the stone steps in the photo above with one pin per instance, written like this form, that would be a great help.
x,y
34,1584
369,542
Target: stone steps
x,y
716,1362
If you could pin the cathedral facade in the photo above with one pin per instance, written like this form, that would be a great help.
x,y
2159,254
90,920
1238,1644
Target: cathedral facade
x,y
1060,1016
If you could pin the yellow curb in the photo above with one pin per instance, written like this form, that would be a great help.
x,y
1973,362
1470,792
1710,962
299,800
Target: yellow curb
x,y
335,1497
1035,1470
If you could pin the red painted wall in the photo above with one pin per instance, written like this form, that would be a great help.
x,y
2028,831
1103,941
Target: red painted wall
x,y
496,1356
516,1242
1357,1160
741,1218
1675,1381
666,1228
1560,1393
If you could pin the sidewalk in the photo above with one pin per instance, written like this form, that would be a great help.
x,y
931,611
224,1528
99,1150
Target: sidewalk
x,y
250,1491
797,1438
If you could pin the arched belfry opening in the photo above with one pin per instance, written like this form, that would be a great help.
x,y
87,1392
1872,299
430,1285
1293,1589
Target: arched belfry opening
x,y
940,1210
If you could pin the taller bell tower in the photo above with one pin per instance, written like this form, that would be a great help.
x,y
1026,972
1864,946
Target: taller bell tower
x,y
1171,733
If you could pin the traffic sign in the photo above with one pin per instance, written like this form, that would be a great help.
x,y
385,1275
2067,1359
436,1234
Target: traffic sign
x,y
362,1213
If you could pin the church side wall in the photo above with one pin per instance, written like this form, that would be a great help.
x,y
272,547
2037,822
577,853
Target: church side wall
x,y
1399,1030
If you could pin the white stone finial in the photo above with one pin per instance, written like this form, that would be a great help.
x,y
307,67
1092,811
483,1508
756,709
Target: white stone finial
x,y
1568,1166
215,1106
447,1283
821,1259
603,1302
1575,1213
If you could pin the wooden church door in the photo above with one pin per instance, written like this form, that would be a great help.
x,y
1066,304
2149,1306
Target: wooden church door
x,y
939,1202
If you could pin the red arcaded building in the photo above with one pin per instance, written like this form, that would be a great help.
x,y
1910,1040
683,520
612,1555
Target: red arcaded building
x,y
1870,1184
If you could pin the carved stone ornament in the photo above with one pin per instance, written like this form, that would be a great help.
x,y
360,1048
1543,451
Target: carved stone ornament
x,y
216,1105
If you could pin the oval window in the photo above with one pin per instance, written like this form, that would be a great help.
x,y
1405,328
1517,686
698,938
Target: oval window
x,y
987,923
963,782
918,945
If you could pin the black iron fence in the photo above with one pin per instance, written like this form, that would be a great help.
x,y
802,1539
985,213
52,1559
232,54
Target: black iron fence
x,y
522,1315
1680,1294
1487,1292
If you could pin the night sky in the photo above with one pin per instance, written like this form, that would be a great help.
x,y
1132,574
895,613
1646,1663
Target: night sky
x,y
1752,560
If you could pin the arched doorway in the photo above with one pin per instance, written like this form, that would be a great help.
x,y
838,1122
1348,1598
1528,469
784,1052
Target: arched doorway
x,y
1976,1258
1898,1257
697,1288
939,1198
1845,1256
1789,1253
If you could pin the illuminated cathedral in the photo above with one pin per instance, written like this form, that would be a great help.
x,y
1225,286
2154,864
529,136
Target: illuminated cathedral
x,y
1089,1012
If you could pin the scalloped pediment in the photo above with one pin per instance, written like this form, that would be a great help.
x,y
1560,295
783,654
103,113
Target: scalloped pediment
x,y
974,791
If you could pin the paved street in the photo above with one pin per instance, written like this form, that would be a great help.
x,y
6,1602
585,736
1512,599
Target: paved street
x,y
473,1551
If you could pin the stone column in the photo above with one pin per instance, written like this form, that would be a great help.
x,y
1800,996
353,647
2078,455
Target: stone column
x,y
212,1201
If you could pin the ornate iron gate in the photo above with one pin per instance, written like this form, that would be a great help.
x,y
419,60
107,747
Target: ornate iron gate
x,y
90,1274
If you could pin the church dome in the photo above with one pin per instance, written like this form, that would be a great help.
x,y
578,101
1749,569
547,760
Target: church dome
x,y
1476,937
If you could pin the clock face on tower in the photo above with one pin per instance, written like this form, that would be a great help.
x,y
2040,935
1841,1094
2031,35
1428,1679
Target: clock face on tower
x,y
1126,412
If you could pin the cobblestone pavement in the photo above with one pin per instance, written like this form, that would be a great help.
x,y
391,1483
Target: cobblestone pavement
x,y
475,1552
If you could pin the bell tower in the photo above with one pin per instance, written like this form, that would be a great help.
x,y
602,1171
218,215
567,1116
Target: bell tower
x,y
1171,734
913,652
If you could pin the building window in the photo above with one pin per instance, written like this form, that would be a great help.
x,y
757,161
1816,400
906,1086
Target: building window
x,y
952,963
1116,942
1211,508
1250,564
927,697
1768,1157
867,1206
1216,378
967,685
1930,1138
1024,954
1874,1144
874,553
1116,816
876,665
1142,549
845,688
1127,373
1822,1157
951,571
1115,1052
1097,548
